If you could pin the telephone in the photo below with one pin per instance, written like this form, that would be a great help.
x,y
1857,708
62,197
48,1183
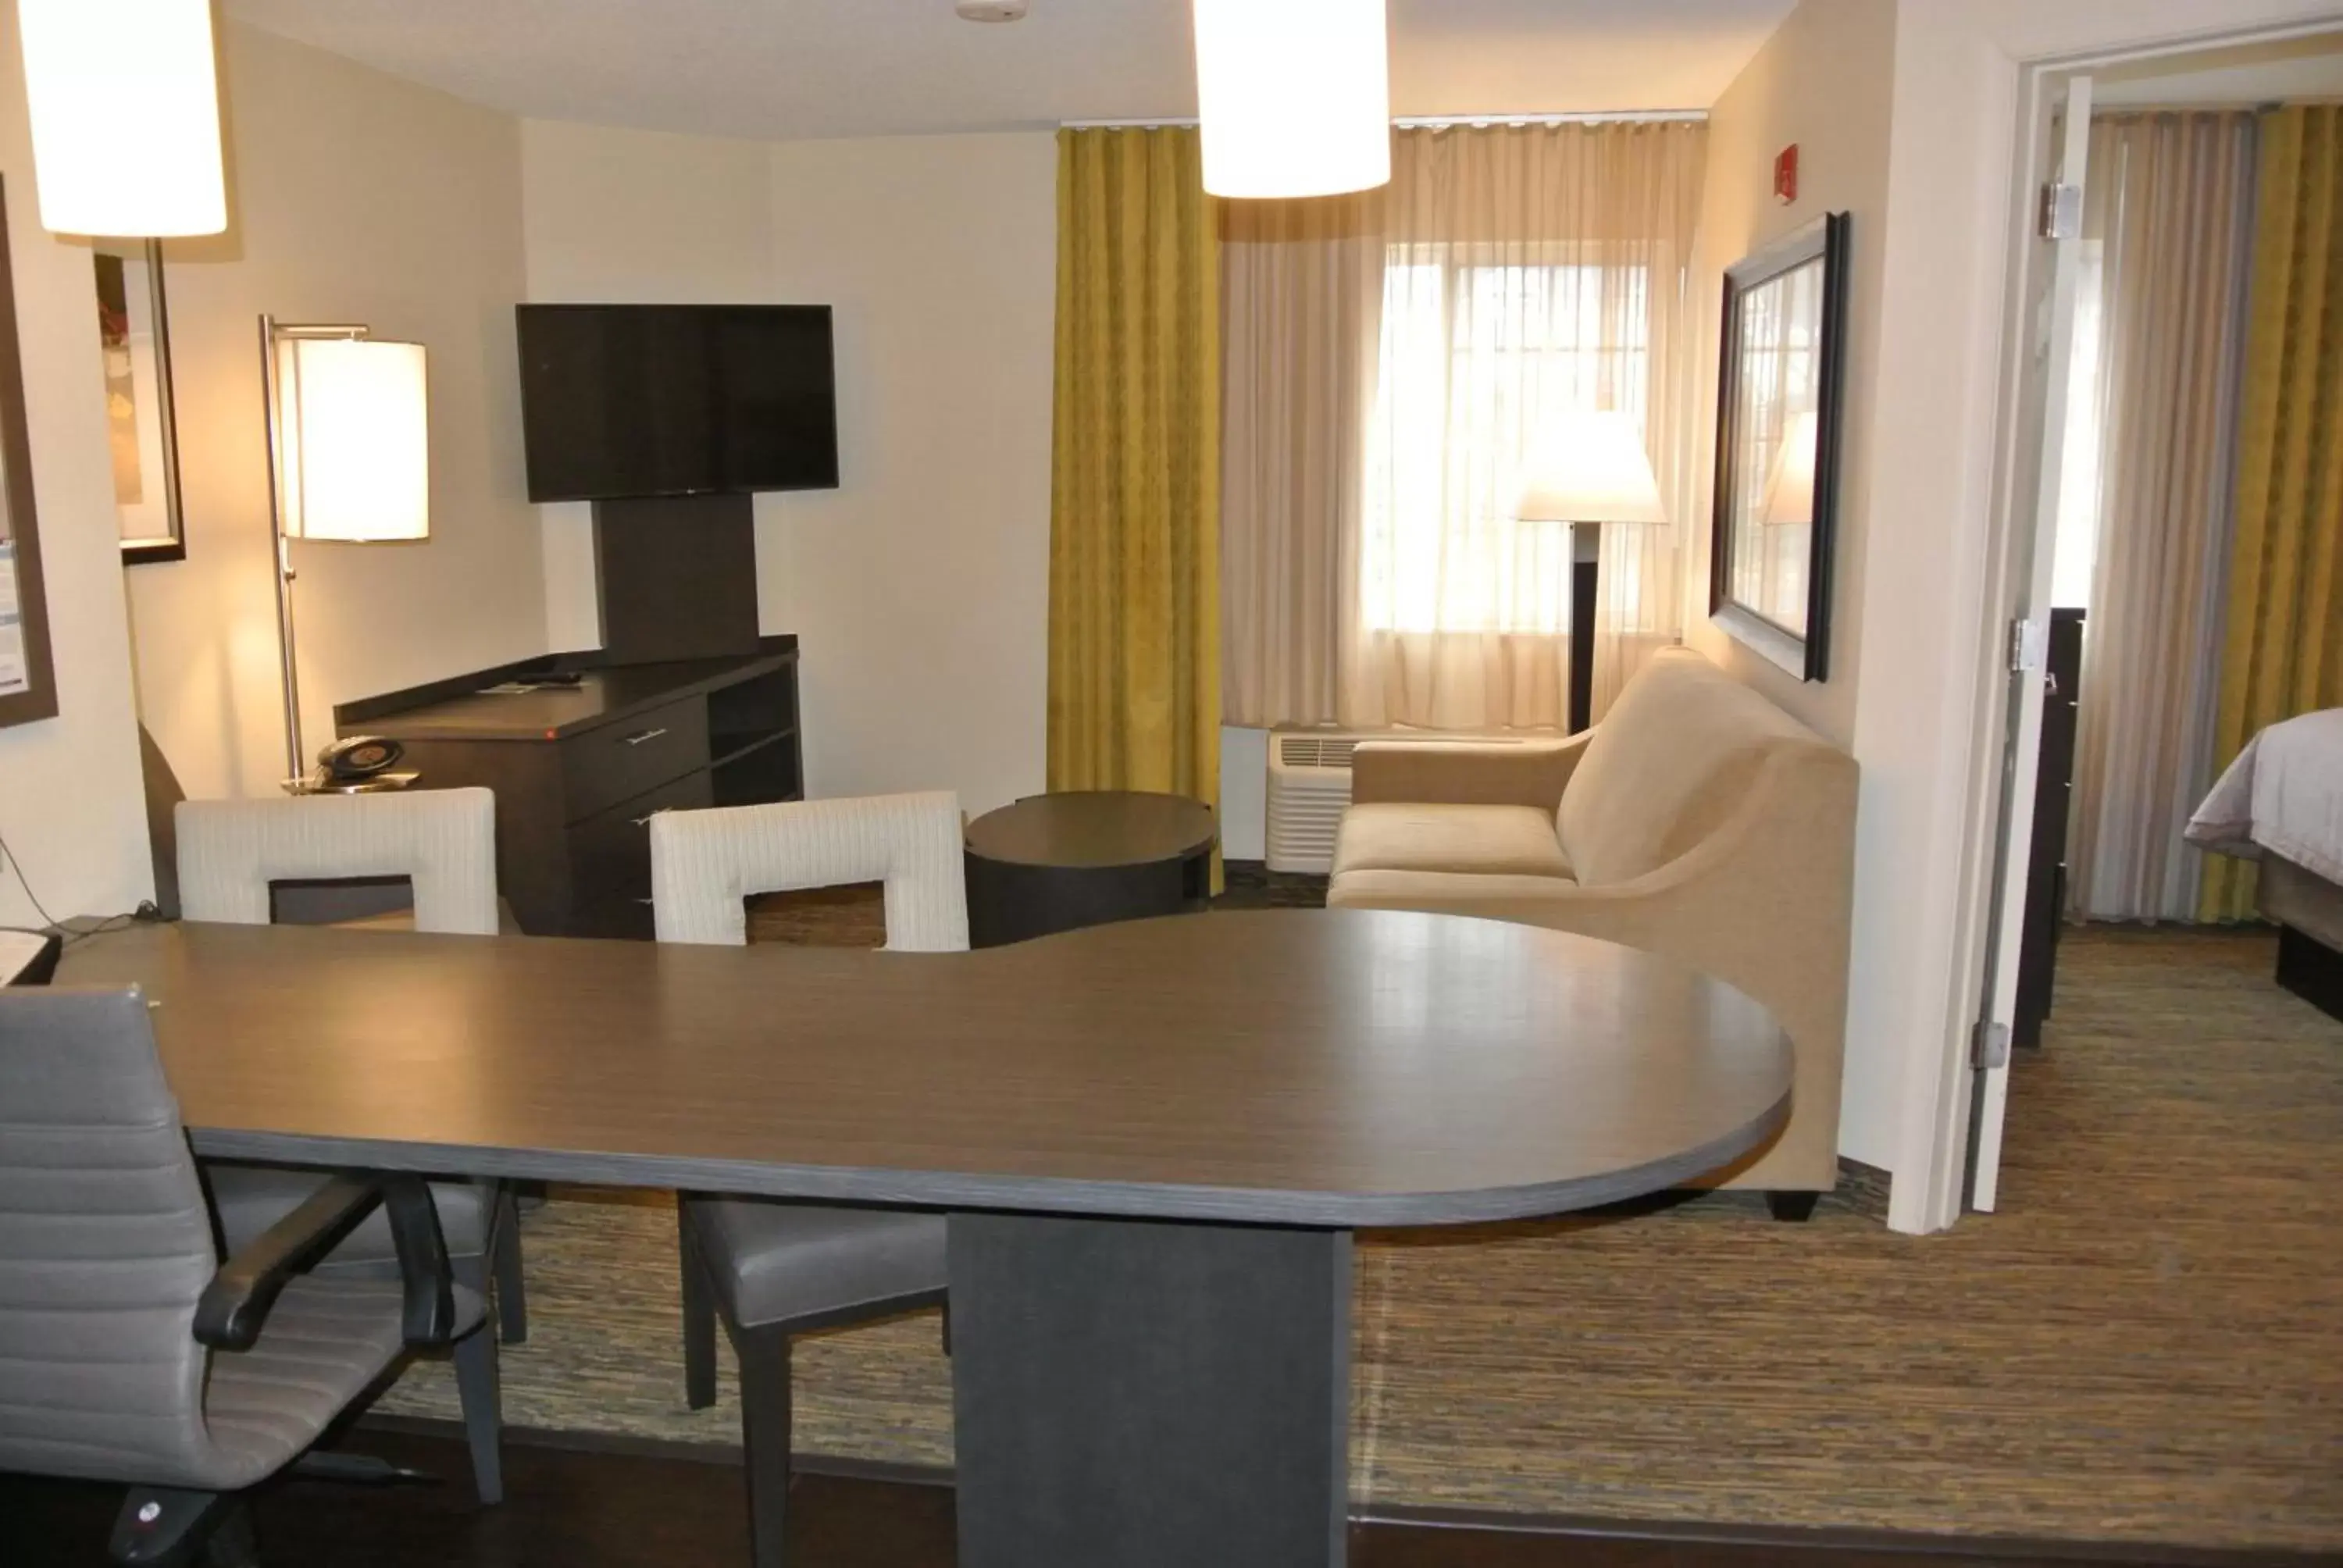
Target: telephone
x,y
357,759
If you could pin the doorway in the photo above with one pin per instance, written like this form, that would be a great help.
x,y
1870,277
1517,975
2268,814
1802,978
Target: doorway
x,y
2158,492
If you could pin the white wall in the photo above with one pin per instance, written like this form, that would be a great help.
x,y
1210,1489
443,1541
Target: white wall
x,y
919,588
70,801
355,197
1924,635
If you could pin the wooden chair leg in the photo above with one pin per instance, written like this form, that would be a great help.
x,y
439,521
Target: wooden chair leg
x,y
699,1316
512,1294
764,1435
476,1382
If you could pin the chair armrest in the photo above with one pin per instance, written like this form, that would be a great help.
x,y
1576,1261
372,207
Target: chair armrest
x,y
237,1302
1465,772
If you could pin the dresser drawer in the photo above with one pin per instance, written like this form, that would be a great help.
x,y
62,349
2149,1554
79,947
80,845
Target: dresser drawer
x,y
619,761
610,859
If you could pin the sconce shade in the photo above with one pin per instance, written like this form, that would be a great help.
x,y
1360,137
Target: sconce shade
x,y
354,450
125,103
1790,488
1591,467
1294,97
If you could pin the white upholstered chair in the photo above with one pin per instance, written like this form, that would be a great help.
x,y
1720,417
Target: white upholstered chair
x,y
774,1270
443,841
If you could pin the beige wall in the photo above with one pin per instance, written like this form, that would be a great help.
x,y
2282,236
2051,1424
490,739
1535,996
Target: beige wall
x,y
70,805
639,218
356,197
1826,83
1927,635
919,588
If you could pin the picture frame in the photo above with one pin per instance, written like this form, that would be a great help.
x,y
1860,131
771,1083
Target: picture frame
x,y
1781,390
28,683
141,402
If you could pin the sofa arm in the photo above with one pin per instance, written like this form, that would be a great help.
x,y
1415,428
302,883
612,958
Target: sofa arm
x,y
1465,772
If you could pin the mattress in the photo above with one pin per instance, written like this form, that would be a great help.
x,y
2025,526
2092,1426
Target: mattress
x,y
2283,797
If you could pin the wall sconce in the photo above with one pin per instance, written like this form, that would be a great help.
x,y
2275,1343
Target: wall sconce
x,y
124,97
349,459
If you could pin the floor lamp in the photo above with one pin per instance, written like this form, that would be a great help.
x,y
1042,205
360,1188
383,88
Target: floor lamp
x,y
348,461
1590,469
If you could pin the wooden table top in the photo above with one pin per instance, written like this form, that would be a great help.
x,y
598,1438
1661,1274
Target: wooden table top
x,y
1087,828
1336,1067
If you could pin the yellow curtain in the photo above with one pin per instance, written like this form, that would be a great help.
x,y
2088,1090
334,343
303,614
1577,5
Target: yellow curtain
x,y
2284,644
1135,488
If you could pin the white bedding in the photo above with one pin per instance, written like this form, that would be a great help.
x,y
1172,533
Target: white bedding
x,y
2283,796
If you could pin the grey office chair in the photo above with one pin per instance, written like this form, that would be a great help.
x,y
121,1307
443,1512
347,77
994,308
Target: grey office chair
x,y
128,1352
773,1271
444,842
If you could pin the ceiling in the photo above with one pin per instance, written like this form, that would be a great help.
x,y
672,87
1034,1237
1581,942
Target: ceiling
x,y
779,69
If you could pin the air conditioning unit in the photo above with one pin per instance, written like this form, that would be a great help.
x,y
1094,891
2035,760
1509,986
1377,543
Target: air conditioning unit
x,y
1309,788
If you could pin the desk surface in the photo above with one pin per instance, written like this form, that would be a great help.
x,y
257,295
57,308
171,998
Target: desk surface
x,y
1308,1068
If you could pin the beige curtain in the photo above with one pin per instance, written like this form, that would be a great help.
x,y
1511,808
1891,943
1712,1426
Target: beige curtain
x,y
2171,208
1388,362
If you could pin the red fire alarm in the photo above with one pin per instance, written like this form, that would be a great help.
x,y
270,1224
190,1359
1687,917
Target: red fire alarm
x,y
1786,174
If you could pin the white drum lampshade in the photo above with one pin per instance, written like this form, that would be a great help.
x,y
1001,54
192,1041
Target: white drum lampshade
x,y
1294,97
1790,490
125,101
355,448
1591,467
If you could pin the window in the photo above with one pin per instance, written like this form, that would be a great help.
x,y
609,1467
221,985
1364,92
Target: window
x,y
1476,354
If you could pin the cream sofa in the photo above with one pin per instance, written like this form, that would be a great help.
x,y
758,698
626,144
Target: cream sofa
x,y
1697,820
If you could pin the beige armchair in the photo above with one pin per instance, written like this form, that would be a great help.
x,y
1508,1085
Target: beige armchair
x,y
1697,821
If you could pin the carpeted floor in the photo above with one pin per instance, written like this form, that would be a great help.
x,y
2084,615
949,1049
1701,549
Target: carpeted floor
x,y
2146,1343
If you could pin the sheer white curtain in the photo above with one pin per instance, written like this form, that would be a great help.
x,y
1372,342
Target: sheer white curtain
x,y
1387,367
2170,212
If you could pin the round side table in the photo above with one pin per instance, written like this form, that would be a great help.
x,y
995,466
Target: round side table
x,y
1085,858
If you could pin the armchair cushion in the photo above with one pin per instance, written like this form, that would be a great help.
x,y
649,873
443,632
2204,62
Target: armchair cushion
x,y
250,1198
777,1262
1465,772
1494,841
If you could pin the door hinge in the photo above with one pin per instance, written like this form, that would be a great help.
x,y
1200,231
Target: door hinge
x,y
2029,646
1989,1046
2060,215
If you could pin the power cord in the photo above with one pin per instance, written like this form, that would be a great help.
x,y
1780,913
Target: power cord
x,y
146,910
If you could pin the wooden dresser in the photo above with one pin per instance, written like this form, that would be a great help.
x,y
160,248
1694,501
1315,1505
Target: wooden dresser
x,y
579,770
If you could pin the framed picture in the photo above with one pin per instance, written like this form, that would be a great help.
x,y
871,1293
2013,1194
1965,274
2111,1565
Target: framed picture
x,y
1780,388
28,684
133,322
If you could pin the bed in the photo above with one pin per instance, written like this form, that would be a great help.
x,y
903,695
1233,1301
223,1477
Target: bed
x,y
2281,803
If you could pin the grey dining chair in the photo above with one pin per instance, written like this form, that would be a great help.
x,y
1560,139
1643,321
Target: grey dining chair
x,y
128,1352
443,841
775,1269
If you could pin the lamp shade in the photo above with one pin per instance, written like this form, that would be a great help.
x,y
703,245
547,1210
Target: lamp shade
x,y
1294,97
353,445
1591,467
1790,488
125,101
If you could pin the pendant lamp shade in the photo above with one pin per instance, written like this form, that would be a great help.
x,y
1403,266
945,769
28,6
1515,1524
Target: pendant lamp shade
x,y
125,101
1294,97
354,445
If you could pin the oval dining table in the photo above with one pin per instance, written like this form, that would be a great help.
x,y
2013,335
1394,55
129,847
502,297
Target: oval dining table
x,y
1155,1141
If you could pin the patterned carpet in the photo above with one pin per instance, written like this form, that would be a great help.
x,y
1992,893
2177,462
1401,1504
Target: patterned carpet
x,y
2146,1345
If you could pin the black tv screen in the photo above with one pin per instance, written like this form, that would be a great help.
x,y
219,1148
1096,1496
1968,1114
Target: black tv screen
x,y
622,400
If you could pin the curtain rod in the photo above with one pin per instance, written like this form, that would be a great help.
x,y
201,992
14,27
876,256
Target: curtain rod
x,y
1440,121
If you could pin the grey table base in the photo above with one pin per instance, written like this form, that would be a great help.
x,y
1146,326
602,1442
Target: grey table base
x,y
1150,1394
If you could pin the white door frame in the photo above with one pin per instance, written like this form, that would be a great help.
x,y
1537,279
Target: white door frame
x,y
2010,549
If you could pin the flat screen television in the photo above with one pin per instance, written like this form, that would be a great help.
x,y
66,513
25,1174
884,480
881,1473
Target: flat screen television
x,y
628,400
